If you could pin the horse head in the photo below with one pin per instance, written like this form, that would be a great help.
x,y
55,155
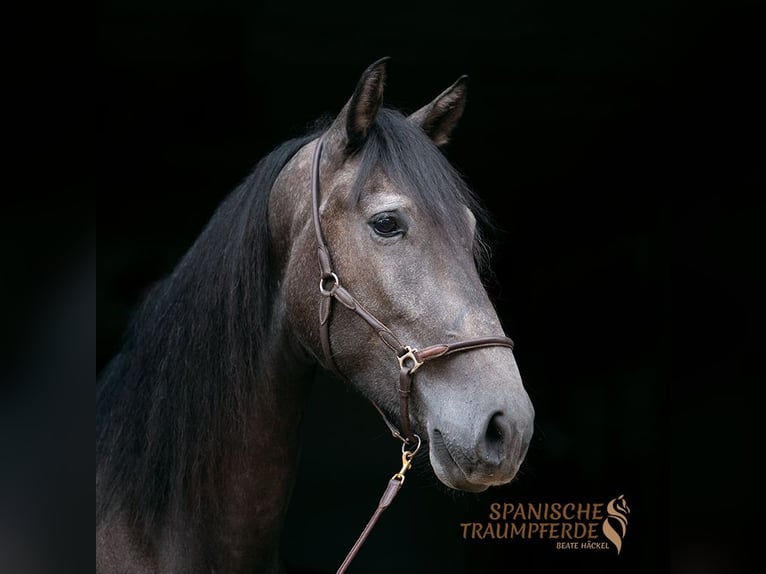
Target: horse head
x,y
401,235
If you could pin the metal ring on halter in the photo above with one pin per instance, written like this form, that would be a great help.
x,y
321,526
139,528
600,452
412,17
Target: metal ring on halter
x,y
412,452
330,276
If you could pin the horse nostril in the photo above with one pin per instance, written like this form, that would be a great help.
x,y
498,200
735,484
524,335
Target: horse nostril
x,y
495,437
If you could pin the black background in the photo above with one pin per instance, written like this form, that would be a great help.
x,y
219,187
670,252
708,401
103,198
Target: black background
x,y
612,142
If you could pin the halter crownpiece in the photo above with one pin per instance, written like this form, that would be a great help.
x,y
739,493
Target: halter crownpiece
x,y
409,358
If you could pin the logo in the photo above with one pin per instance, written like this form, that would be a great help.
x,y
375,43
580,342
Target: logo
x,y
568,525
617,513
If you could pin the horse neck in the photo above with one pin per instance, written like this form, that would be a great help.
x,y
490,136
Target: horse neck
x,y
260,482
257,485
233,515
257,478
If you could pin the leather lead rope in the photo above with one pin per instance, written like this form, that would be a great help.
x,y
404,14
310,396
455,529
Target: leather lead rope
x,y
409,358
392,489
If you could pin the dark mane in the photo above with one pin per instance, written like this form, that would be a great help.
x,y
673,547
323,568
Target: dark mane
x,y
413,162
177,395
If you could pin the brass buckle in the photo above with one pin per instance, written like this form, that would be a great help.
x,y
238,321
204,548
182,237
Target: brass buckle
x,y
410,354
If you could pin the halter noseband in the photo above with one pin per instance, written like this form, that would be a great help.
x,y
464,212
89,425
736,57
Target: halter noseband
x,y
409,358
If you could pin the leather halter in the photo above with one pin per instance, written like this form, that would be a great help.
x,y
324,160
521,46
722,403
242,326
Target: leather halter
x,y
409,358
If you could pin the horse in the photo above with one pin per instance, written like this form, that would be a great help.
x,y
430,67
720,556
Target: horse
x,y
354,248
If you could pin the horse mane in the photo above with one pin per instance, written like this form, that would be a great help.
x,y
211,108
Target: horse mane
x,y
413,162
177,395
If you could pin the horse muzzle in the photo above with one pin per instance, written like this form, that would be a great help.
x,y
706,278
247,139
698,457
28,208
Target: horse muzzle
x,y
486,453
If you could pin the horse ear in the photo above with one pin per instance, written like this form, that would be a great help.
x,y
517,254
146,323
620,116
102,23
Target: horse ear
x,y
359,113
439,118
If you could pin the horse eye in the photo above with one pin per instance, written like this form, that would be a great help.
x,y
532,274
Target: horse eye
x,y
386,225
